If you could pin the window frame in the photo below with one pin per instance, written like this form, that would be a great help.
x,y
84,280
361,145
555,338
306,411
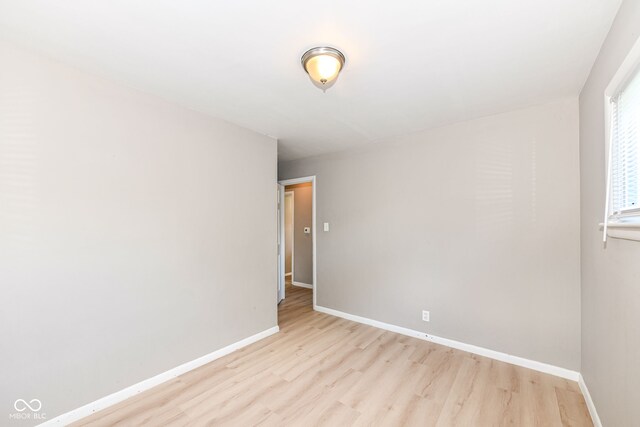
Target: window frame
x,y
626,223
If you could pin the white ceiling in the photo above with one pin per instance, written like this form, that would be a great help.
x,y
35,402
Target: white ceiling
x,y
411,64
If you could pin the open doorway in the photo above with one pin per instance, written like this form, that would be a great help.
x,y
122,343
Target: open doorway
x,y
298,234
289,206
297,237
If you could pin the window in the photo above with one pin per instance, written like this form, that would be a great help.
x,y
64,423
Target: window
x,y
622,106
625,144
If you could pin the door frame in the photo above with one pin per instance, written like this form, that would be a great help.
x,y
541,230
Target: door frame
x,y
293,231
280,243
312,180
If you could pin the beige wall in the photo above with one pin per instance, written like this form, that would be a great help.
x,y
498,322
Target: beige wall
x,y
121,237
477,222
288,232
303,243
611,276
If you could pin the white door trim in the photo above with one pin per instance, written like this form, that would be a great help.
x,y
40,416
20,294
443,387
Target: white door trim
x,y
312,180
281,290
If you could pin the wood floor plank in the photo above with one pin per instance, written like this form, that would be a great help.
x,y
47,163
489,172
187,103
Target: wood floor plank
x,y
572,407
321,370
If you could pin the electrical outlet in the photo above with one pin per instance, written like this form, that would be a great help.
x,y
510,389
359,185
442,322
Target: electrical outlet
x,y
425,315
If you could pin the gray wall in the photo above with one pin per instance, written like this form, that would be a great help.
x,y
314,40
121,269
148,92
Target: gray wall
x,y
611,276
303,243
121,234
476,222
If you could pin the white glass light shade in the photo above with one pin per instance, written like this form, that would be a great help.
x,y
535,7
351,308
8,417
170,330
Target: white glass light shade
x,y
323,64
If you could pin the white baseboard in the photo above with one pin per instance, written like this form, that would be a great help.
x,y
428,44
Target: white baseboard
x,y
302,285
128,392
497,355
288,274
587,398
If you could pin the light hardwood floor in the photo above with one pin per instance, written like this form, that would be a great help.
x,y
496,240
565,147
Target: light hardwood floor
x,y
323,370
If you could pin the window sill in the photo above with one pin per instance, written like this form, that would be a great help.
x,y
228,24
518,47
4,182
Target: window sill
x,y
628,229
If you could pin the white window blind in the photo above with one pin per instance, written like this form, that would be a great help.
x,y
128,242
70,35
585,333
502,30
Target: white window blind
x,y
625,153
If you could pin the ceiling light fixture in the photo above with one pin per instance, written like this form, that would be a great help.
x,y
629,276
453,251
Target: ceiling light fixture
x,y
323,64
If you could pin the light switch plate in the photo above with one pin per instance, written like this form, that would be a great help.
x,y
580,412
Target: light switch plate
x,y
326,226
